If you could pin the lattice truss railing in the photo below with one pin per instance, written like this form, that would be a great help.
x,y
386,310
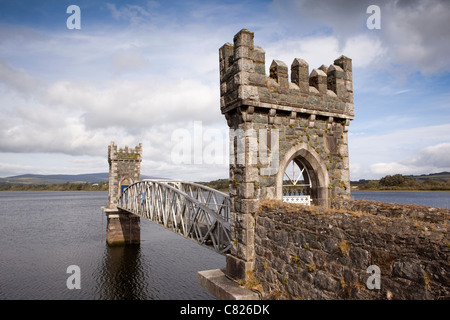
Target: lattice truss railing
x,y
193,210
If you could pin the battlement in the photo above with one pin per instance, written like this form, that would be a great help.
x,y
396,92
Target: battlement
x,y
130,154
326,91
124,169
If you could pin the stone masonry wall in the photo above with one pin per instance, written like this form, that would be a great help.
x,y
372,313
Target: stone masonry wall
x,y
326,139
274,120
311,112
321,253
124,165
124,169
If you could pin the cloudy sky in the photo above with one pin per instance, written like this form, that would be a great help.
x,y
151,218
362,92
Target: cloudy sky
x,y
147,71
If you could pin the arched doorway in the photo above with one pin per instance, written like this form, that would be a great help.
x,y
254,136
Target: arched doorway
x,y
124,184
311,178
297,183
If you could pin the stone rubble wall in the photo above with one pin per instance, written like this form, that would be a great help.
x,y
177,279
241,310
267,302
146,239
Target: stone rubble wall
x,y
315,252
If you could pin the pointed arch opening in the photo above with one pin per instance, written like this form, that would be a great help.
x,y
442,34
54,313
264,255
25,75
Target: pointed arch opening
x,y
307,174
124,183
297,183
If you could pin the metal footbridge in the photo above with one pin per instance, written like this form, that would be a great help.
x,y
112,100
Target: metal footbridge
x,y
190,209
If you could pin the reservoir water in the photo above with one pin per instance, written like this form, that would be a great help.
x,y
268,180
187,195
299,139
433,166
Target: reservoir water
x,y
43,233
433,199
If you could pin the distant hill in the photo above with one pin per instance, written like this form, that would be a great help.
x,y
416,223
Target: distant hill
x,y
103,177
426,182
440,176
58,178
443,176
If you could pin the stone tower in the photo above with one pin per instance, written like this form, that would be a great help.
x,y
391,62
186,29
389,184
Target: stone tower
x,y
273,121
124,169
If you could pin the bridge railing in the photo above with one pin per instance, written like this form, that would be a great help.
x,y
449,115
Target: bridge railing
x,y
188,208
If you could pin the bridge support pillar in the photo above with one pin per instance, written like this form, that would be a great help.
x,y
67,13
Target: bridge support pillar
x,y
122,228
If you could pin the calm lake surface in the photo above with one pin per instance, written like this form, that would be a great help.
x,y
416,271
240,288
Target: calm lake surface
x,y
433,199
43,233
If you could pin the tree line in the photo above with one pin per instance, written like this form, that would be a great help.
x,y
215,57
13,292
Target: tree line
x,y
68,186
220,184
389,182
401,182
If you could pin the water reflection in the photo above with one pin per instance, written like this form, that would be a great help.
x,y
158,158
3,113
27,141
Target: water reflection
x,y
122,275
63,228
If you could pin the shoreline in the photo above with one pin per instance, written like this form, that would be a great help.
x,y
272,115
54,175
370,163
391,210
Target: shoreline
x,y
221,190
400,190
54,191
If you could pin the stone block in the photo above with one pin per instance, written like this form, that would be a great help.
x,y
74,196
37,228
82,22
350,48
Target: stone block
x,y
241,78
257,79
122,228
318,79
246,190
411,270
245,64
238,268
244,38
248,206
279,72
326,282
218,284
248,93
258,55
360,258
241,52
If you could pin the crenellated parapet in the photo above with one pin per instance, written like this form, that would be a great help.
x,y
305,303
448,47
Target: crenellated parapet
x,y
326,91
126,153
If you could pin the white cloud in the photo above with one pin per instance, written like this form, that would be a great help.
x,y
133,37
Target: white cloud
x,y
427,160
10,169
437,156
418,150
314,50
129,86
383,169
125,61
43,163
136,104
132,13
148,74
364,50
17,79
414,34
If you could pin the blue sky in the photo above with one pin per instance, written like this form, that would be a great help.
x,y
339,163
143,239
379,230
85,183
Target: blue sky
x,y
145,71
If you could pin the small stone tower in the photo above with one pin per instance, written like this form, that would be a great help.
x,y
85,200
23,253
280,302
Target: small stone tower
x,y
124,169
274,121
